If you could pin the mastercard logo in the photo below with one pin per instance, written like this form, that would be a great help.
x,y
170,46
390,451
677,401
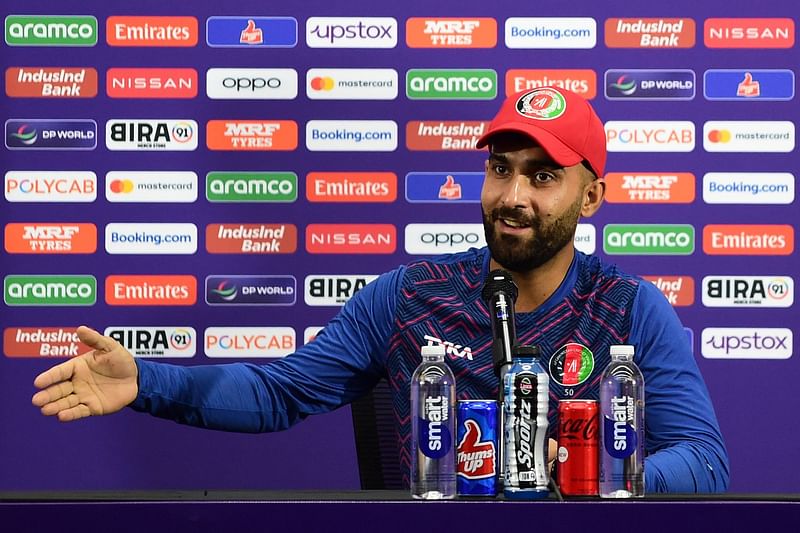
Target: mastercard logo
x,y
321,83
121,186
719,136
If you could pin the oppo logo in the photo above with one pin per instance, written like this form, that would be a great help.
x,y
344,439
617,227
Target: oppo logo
x,y
426,239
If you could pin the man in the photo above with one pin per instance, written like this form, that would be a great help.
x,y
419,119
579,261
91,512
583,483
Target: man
x,y
546,159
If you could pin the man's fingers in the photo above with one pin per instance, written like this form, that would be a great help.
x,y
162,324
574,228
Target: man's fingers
x,y
53,408
56,374
79,411
93,339
52,394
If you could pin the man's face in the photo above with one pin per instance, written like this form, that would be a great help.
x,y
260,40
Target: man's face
x,y
530,204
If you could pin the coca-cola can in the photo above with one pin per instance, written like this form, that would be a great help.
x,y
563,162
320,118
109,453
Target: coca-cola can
x,y
577,447
476,452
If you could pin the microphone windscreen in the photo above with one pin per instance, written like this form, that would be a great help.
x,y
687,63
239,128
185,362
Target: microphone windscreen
x,y
499,280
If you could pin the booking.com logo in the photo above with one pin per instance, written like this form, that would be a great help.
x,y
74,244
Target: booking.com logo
x,y
321,83
719,136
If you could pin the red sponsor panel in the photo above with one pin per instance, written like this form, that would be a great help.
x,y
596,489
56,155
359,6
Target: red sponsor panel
x,y
579,81
678,290
151,31
351,238
50,238
650,187
235,238
748,33
748,239
151,83
650,33
51,82
42,342
444,135
475,32
151,290
351,186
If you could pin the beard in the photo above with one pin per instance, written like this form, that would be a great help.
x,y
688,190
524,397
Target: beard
x,y
546,239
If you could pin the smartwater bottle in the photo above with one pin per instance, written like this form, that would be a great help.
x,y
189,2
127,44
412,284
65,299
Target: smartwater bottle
x,y
622,427
433,427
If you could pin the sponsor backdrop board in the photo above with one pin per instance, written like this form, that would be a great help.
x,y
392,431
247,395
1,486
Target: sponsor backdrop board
x,y
176,175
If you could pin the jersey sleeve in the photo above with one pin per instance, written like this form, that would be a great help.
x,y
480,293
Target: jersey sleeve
x,y
343,362
685,449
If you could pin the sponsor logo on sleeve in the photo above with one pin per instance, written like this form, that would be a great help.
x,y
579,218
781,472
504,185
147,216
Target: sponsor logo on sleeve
x,y
273,187
748,188
32,342
151,31
351,135
748,32
478,32
251,83
50,186
748,291
650,136
678,290
351,187
649,84
351,238
579,81
433,239
443,135
155,341
151,238
650,188
251,32
72,290
151,187
551,32
246,342
746,343
748,136
648,239
51,30
251,135
351,32
51,82
748,239
51,134
151,83
444,187
151,134
351,84
748,85
650,33
251,290
251,238
151,290
334,290
50,238
451,84
585,238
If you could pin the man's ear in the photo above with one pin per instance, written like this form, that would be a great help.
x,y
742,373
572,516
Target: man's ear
x,y
593,195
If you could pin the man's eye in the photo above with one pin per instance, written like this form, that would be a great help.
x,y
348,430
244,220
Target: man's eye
x,y
543,176
500,169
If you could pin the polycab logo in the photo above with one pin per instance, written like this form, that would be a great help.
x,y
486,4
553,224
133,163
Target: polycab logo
x,y
478,32
446,84
251,187
351,32
748,188
650,188
251,135
649,84
241,342
151,134
444,187
351,135
580,81
251,32
44,186
678,290
748,136
351,187
251,290
251,238
748,291
310,333
42,342
50,238
746,343
748,85
551,32
251,83
334,290
444,135
151,238
43,134
585,238
151,290
351,239
433,239
51,30
648,239
151,31
476,457
49,290
51,82
650,33
151,187
749,33
351,84
649,136
155,341
151,83
748,239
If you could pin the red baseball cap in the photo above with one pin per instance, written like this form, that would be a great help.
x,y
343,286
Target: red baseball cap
x,y
562,122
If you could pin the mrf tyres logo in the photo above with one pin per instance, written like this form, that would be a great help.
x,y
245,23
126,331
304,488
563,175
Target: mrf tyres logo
x,y
49,290
51,30
155,341
151,134
468,84
334,290
747,343
648,239
748,291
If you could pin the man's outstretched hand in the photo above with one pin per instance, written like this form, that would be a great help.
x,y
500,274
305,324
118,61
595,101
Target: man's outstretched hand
x,y
99,382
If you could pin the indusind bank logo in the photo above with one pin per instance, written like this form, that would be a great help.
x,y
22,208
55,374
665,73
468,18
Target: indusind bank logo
x,y
650,33
444,135
251,238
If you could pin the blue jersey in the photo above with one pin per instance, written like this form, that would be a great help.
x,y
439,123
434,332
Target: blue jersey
x,y
379,332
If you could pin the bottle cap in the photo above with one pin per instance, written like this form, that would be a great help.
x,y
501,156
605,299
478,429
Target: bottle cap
x,y
526,350
435,349
622,349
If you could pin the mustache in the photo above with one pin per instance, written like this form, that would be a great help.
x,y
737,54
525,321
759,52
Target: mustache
x,y
512,213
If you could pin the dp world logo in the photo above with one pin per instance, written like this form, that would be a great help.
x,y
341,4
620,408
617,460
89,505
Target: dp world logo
x,y
648,239
251,290
648,84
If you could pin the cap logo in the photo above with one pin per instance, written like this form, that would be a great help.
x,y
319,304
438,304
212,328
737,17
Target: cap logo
x,y
541,104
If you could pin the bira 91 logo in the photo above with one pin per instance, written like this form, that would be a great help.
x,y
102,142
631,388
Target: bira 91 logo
x,y
44,134
476,32
51,82
151,134
351,238
748,291
155,341
151,83
51,30
42,342
50,238
334,290
251,135
650,188
476,457
251,238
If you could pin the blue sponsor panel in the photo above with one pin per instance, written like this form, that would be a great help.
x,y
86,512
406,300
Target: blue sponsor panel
x,y
743,85
649,84
444,187
42,134
251,290
251,32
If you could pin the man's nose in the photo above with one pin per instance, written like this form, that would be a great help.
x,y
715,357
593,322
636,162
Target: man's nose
x,y
516,191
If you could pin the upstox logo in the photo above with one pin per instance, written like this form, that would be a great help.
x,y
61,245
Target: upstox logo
x,y
251,186
468,84
51,30
49,290
351,32
746,343
648,239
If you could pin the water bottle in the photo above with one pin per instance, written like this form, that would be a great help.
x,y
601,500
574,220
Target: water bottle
x,y
622,427
433,427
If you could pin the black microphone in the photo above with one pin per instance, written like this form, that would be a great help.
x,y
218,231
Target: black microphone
x,y
500,293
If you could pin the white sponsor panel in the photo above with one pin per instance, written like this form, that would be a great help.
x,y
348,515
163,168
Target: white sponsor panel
x,y
251,83
351,135
351,32
432,239
650,136
586,238
748,188
147,238
351,84
748,136
332,289
151,134
50,186
551,32
246,342
746,343
310,333
151,187
155,341
748,291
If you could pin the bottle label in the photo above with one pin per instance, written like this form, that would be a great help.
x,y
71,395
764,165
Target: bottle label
x,y
619,436
434,432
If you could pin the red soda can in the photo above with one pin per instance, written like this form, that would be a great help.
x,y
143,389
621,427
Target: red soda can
x,y
578,447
